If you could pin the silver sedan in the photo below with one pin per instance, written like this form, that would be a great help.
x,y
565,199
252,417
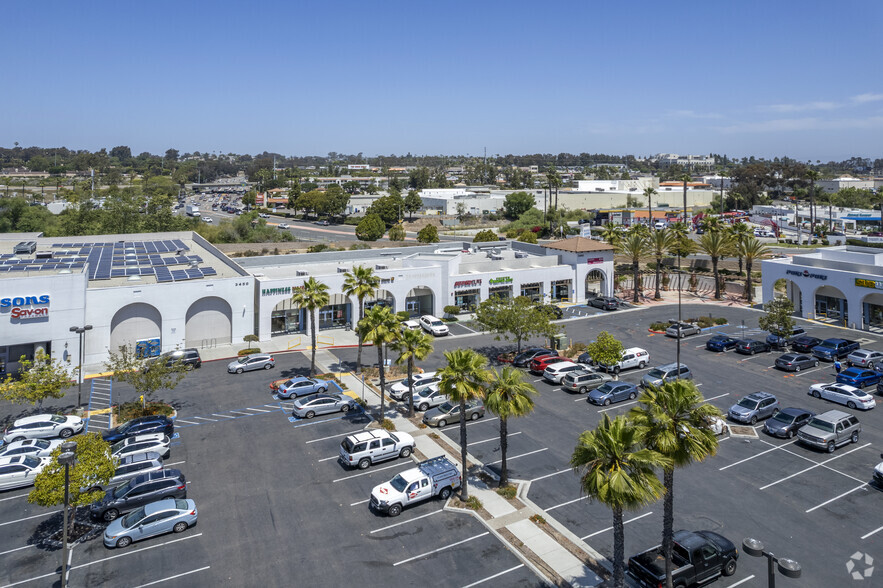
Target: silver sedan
x,y
307,408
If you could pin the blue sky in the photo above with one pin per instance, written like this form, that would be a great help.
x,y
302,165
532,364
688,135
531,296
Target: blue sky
x,y
739,78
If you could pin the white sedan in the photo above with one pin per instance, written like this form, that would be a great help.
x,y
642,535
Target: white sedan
x,y
207,219
20,471
140,444
284,226
33,447
844,394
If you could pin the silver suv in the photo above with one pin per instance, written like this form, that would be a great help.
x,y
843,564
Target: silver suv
x,y
666,373
756,406
830,430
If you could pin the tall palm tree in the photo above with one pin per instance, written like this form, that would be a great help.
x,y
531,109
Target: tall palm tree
x,y
673,420
634,246
611,233
649,192
711,223
715,244
380,327
681,245
463,380
739,232
312,296
660,243
411,345
508,396
615,469
751,249
360,282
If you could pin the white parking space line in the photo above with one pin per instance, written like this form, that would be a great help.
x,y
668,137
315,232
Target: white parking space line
x,y
803,457
483,580
716,397
328,437
134,551
478,422
328,458
29,546
540,380
242,413
272,406
836,498
566,503
45,514
749,358
205,419
177,421
174,463
726,467
435,512
404,561
742,581
258,409
172,577
552,474
497,438
13,497
618,406
865,536
646,514
360,502
223,415
395,465
813,467
511,457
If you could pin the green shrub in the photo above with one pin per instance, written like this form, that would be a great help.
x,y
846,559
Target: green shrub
x,y
388,424
538,519
527,236
658,326
452,310
248,351
473,502
484,236
721,321
318,248
509,491
134,410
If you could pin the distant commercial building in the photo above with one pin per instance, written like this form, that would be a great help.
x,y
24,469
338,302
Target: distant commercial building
x,y
693,162
838,184
447,201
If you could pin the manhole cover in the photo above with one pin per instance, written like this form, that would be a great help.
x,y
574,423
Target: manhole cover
x,y
743,431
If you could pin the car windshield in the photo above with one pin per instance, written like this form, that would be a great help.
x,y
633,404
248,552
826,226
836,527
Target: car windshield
x,y
133,517
656,373
394,437
117,447
747,403
606,387
121,490
242,359
288,383
437,324
823,425
784,418
789,357
446,407
180,504
398,483
41,443
31,461
57,418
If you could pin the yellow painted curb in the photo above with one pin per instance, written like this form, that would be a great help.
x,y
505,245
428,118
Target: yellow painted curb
x,y
99,411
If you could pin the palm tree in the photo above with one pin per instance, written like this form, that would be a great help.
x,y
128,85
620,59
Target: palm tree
x,y
463,380
611,233
508,396
649,192
380,326
715,244
634,246
311,296
360,282
411,345
751,249
673,420
811,175
660,243
616,470
739,232
711,223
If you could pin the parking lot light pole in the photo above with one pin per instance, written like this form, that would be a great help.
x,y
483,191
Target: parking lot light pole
x,y
787,567
81,331
67,459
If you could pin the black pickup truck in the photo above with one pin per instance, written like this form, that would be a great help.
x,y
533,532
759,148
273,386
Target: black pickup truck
x,y
697,557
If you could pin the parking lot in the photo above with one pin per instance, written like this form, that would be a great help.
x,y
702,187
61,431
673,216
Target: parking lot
x,y
277,507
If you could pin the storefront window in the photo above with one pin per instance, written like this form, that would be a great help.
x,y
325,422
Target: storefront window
x,y
334,316
467,299
504,292
533,291
875,316
284,322
831,308
561,290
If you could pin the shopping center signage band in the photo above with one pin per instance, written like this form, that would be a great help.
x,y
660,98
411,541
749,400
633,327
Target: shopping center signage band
x,y
806,274
593,260
864,283
18,312
467,283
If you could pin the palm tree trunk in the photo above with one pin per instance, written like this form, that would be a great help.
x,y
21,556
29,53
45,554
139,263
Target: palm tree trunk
x,y
411,387
740,264
668,521
382,378
313,336
748,287
359,333
464,495
618,549
717,284
504,444
658,263
635,277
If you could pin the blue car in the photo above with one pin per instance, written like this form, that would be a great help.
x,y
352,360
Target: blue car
x,y
171,515
613,392
858,377
721,343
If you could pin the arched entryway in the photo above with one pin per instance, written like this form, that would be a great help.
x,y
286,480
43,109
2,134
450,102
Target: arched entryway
x,y
420,300
872,310
790,289
830,305
596,284
383,298
209,322
287,318
133,323
336,314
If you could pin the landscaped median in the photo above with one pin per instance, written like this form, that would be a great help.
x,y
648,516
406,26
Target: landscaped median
x,y
703,322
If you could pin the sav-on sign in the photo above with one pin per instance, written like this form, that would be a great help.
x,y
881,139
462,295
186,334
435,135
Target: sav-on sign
x,y
18,302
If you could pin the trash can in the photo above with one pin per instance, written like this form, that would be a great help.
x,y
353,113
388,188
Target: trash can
x,y
558,342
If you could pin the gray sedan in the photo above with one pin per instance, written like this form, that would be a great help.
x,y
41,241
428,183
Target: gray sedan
x,y
449,412
679,330
172,515
257,361
307,408
794,362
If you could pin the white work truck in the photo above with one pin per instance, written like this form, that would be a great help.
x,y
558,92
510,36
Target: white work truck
x,y
433,477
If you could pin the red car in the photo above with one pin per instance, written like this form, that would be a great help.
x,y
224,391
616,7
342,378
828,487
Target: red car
x,y
539,365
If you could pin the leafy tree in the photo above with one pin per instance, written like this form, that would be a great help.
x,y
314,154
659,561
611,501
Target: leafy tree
x,y
411,345
396,233
336,200
361,282
514,319
428,234
484,236
37,380
517,203
413,203
508,396
673,420
311,296
751,249
716,244
370,228
381,327
779,317
419,178
93,468
352,187
617,471
463,380
249,199
389,208
605,349
635,247
528,237
146,376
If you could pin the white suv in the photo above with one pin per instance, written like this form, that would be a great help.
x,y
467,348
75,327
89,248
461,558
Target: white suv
x,y
368,447
634,357
433,325
400,390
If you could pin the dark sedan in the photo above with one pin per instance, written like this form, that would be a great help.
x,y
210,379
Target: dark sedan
x,y
721,343
524,358
751,346
858,377
604,303
786,422
805,343
794,362
141,426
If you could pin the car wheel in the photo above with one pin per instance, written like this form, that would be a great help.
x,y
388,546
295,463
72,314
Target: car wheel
x,y
395,510
633,395
816,364
753,420
110,514
189,367
753,351
851,404
180,527
445,493
405,452
616,369
442,423
642,365
854,437
474,416
364,463
789,434
816,394
607,402
423,406
831,447
268,366
238,370
870,365
797,368
65,433
345,408
729,568
582,390
775,412
124,542
310,414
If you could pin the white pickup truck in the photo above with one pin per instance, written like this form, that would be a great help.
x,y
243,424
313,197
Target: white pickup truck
x,y
433,477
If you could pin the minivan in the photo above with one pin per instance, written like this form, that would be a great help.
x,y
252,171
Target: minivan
x,y
666,373
830,430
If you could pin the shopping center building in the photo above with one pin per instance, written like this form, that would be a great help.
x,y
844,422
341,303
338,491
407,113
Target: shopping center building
x,y
843,285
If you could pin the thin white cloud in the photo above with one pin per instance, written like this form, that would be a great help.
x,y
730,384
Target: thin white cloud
x,y
693,114
867,97
807,106
783,125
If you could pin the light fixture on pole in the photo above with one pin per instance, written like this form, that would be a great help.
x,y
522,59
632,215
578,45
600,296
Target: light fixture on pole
x,y
67,458
81,331
787,567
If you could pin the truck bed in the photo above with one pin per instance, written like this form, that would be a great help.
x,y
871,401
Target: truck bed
x,y
652,564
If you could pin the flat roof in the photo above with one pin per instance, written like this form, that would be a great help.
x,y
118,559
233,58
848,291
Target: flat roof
x,y
579,245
